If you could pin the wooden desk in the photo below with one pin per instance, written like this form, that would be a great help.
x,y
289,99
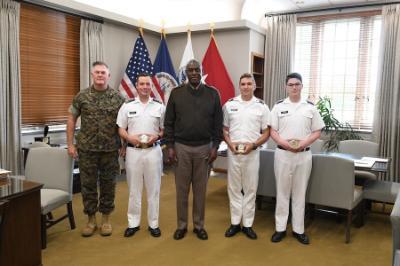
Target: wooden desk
x,y
21,243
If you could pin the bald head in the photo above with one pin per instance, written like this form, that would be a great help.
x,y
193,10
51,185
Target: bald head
x,y
193,72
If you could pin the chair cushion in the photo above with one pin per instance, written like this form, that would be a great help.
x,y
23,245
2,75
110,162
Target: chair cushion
x,y
52,199
364,174
396,261
383,191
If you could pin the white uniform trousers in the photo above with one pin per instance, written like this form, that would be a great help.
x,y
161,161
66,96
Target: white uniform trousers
x,y
243,174
143,165
292,172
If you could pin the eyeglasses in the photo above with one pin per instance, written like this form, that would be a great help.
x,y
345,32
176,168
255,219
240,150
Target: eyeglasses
x,y
291,85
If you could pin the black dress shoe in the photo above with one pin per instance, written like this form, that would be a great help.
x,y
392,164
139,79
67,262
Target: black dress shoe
x,y
248,231
156,232
278,236
233,230
180,233
201,233
302,238
130,231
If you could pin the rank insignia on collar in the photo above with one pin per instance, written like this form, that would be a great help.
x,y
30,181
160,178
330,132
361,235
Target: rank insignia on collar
x,y
284,112
234,109
132,113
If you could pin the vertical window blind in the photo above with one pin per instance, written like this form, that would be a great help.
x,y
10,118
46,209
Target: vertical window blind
x,y
49,50
338,58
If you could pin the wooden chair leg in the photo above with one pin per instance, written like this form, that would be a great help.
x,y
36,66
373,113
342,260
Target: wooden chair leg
x,y
50,216
43,231
71,215
348,225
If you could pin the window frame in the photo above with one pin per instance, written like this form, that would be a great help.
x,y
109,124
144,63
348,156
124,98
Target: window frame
x,y
312,84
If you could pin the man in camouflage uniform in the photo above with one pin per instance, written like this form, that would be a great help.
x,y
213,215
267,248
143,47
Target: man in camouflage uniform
x,y
97,144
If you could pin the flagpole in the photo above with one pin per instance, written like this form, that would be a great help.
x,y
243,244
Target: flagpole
x,y
212,26
163,34
141,22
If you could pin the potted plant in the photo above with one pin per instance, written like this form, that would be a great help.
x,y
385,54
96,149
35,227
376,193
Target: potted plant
x,y
335,130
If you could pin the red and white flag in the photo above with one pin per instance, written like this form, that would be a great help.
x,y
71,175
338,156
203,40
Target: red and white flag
x,y
215,72
139,63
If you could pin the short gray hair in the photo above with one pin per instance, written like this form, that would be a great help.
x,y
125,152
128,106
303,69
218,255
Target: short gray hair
x,y
100,63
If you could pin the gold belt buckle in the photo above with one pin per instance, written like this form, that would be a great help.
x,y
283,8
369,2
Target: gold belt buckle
x,y
144,145
144,139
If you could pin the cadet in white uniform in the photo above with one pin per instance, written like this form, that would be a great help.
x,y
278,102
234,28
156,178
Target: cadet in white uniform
x,y
246,121
295,125
140,124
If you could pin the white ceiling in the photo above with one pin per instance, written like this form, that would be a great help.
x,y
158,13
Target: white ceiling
x,y
172,13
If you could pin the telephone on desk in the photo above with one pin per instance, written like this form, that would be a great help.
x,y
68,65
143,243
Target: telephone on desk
x,y
45,138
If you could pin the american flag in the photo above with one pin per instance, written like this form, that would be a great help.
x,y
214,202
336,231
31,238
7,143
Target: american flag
x,y
139,63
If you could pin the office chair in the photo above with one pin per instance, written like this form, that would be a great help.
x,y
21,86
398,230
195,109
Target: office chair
x,y
53,168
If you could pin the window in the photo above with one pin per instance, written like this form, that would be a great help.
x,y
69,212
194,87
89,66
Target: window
x,y
49,48
337,57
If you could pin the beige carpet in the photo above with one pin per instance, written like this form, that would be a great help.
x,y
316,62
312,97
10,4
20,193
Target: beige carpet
x,y
370,245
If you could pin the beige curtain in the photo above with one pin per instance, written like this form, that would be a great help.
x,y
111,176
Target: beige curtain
x,y
10,117
280,40
387,118
91,49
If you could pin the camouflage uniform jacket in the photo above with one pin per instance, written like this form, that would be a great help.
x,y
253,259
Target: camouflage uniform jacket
x,y
98,111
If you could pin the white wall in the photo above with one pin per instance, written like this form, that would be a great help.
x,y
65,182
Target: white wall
x,y
257,42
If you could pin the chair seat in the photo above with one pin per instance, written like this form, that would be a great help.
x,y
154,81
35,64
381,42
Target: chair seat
x,y
364,174
383,191
52,199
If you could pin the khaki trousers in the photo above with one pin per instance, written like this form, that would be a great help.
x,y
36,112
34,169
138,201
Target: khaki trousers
x,y
191,169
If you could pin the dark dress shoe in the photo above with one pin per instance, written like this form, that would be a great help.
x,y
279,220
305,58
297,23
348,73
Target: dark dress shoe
x,y
156,232
278,236
180,233
130,231
201,233
302,238
249,232
233,230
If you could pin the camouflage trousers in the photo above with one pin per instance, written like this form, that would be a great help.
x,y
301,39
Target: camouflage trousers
x,y
98,168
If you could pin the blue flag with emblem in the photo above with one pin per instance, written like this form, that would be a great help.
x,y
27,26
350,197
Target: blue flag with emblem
x,y
164,70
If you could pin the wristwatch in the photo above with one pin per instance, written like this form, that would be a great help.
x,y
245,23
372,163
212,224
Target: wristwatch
x,y
255,146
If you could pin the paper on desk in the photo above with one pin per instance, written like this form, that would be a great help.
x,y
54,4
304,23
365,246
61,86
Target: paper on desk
x,y
3,171
382,160
367,163
223,146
